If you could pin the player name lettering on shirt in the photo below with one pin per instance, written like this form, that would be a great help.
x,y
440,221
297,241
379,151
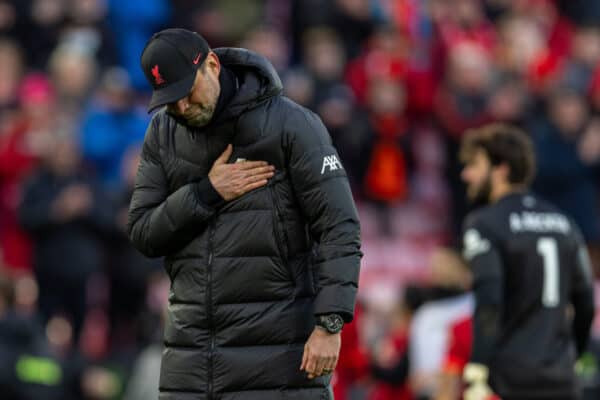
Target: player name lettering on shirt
x,y
528,221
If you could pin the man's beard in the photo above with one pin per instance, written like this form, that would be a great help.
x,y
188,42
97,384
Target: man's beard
x,y
482,194
201,117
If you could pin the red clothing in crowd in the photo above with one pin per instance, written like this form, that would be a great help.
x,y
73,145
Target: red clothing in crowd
x,y
371,65
420,84
384,391
16,161
547,67
353,363
483,35
21,144
459,348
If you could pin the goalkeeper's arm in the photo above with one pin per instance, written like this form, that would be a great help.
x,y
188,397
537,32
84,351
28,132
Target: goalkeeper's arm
x,y
488,289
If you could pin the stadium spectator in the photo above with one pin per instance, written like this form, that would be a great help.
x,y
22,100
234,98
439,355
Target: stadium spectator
x,y
130,274
73,70
430,326
386,172
353,363
390,366
22,143
132,23
271,44
28,369
562,177
111,124
11,69
67,215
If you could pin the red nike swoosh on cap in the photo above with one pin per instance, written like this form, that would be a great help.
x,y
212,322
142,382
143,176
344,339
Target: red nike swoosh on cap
x,y
197,59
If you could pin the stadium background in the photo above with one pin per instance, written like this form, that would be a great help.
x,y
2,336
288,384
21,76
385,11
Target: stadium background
x,y
395,81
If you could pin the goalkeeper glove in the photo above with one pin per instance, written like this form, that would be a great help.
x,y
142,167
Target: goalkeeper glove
x,y
476,378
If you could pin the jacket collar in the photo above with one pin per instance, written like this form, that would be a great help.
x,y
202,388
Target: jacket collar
x,y
257,78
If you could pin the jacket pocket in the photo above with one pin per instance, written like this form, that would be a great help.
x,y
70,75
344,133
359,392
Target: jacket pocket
x,y
279,228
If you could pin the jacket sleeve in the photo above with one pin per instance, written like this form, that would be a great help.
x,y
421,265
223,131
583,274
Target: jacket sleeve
x,y
483,256
160,222
323,193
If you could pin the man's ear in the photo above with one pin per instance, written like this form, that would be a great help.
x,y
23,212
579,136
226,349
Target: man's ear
x,y
212,62
502,172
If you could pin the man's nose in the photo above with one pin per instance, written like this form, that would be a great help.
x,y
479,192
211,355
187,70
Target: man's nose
x,y
182,105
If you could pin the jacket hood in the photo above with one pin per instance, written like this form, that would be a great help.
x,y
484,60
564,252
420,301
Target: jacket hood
x,y
258,79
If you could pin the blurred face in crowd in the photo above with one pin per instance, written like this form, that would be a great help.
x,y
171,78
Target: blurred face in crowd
x,y
586,46
198,107
115,89
386,97
356,8
439,10
88,10
73,72
589,145
542,12
63,156
469,70
335,111
468,13
324,54
568,111
299,87
508,102
477,175
11,68
521,41
48,12
8,16
270,44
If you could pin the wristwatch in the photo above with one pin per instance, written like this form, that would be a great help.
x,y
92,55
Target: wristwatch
x,y
332,323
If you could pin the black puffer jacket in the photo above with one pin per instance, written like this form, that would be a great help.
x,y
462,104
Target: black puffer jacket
x,y
248,277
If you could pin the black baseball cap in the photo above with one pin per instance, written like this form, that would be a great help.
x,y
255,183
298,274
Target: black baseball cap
x,y
170,61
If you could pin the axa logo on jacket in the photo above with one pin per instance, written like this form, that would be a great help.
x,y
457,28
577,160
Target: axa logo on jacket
x,y
332,162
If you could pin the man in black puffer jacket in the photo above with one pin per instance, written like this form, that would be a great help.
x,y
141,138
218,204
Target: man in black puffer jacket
x,y
263,255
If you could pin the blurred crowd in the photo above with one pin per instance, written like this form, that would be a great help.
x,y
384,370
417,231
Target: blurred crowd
x,y
396,82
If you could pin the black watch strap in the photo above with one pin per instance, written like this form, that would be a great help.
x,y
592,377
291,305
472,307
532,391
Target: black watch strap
x,y
332,323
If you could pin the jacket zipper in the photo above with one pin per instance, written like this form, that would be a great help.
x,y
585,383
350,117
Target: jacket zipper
x,y
209,307
281,241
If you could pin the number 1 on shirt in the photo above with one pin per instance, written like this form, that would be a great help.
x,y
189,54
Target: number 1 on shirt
x,y
548,249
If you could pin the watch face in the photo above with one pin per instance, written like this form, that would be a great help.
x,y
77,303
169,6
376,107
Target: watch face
x,y
333,323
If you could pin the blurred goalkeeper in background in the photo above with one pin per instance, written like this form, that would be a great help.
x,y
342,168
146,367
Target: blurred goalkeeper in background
x,y
532,278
